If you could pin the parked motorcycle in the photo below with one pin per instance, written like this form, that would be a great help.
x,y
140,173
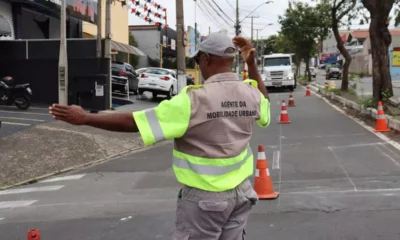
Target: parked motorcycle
x,y
19,94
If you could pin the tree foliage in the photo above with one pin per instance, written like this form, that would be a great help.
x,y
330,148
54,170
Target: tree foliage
x,y
341,12
303,26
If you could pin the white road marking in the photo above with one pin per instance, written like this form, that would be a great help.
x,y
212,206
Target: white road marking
x,y
348,191
283,145
1,218
29,190
280,169
276,159
344,170
65,178
327,136
25,119
16,124
357,145
26,113
124,219
389,157
370,129
16,204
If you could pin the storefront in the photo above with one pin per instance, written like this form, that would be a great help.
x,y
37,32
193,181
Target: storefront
x,y
40,19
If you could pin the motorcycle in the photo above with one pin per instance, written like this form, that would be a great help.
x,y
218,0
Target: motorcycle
x,y
19,94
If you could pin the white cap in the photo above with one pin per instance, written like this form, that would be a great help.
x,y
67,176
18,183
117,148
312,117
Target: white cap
x,y
216,44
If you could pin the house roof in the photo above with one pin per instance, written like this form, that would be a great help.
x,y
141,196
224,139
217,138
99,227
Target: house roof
x,y
357,34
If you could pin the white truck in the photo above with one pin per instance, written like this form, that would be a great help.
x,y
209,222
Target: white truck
x,y
277,71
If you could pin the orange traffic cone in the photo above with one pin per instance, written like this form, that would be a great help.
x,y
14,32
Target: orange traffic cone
x,y
308,91
33,234
262,182
284,114
381,124
291,101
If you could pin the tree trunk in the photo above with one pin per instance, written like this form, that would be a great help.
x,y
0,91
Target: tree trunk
x,y
343,51
308,73
380,42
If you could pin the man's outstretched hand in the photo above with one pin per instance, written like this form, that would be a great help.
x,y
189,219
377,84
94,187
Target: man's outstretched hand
x,y
246,48
71,114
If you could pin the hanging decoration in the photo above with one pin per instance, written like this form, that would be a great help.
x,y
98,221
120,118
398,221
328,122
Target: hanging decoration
x,y
148,10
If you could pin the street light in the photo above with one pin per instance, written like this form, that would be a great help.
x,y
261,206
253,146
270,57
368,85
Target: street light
x,y
267,2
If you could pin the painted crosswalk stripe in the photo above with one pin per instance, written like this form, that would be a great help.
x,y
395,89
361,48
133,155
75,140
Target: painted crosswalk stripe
x,y
30,190
17,124
16,204
24,119
66,178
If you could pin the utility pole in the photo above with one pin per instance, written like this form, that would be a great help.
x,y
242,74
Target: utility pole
x,y
195,25
63,59
99,28
181,46
237,28
209,30
107,47
252,28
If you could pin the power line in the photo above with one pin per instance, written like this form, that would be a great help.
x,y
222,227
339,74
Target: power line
x,y
209,16
222,11
230,5
216,11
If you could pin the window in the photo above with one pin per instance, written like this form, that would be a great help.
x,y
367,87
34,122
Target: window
x,y
282,61
157,71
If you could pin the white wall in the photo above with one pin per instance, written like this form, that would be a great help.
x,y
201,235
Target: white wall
x,y
5,11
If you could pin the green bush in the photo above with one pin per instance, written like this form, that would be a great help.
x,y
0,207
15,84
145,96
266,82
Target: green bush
x,y
368,102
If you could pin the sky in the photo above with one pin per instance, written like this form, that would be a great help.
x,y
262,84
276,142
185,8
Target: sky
x,y
206,17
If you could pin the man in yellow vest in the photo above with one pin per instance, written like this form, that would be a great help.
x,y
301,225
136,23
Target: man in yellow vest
x,y
211,126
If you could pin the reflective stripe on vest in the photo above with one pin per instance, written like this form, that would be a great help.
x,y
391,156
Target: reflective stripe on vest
x,y
154,125
214,175
211,170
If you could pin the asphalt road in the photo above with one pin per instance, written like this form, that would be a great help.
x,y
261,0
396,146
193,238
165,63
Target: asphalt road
x,y
337,181
15,120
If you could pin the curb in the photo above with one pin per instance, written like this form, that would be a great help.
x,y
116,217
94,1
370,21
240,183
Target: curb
x,y
76,167
392,122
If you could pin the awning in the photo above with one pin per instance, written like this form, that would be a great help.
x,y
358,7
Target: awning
x,y
120,47
5,28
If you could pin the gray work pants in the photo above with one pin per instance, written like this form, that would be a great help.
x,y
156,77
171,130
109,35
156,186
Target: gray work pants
x,y
205,215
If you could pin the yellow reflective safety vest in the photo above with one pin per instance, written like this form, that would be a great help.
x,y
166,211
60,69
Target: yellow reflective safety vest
x,y
211,125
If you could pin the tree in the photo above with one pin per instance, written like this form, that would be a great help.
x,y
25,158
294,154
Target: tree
x,y
266,46
338,10
380,41
304,26
133,59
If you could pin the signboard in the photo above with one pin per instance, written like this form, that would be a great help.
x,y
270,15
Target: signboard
x,y
85,10
396,58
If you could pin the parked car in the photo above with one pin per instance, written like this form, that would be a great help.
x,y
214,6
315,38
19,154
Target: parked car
x,y
313,71
121,69
158,81
140,71
334,73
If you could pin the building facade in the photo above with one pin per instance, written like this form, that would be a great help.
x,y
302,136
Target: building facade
x,y
119,23
150,40
190,36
